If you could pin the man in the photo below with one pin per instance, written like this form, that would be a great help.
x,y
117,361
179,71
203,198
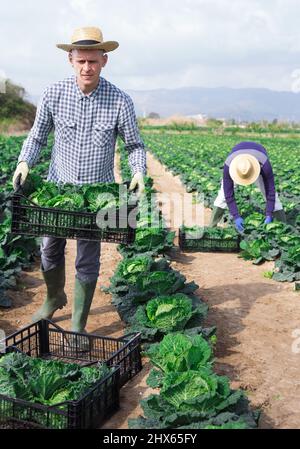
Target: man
x,y
247,163
87,113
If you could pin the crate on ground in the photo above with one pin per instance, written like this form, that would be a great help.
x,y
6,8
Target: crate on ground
x,y
44,339
201,241
118,224
90,411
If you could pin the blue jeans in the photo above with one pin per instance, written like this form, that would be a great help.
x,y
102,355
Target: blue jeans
x,y
87,259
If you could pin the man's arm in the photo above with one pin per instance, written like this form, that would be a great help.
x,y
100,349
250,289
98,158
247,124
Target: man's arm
x,y
129,133
229,193
37,137
268,178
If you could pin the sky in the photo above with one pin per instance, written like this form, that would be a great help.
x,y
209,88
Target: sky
x,y
163,43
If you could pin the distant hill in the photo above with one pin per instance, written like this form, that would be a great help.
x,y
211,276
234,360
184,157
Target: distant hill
x,y
249,104
14,105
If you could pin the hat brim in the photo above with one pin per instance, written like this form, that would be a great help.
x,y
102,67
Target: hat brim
x,y
244,181
105,46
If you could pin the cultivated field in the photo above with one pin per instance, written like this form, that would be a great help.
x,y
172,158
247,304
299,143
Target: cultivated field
x,y
218,327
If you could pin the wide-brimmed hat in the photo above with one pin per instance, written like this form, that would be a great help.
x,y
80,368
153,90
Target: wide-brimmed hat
x,y
244,169
89,38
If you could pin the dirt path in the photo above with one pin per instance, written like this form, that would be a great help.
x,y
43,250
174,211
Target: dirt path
x,y
255,318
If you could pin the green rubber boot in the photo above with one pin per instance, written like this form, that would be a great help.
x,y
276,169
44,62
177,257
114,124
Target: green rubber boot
x,y
83,296
279,215
216,215
56,297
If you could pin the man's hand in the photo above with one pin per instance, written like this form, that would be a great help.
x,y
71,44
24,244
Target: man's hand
x,y
239,224
138,180
23,169
268,220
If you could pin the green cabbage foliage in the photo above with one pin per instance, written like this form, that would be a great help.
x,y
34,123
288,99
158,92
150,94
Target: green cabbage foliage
x,y
166,313
149,237
104,196
225,420
130,269
151,278
160,282
179,352
169,312
240,424
274,241
195,232
46,382
72,202
199,391
92,197
154,240
255,249
195,401
45,193
254,220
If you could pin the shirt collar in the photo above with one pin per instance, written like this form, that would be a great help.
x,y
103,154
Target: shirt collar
x,y
80,95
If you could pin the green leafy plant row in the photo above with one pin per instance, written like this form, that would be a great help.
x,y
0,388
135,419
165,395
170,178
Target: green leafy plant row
x,y
190,394
199,160
16,252
157,301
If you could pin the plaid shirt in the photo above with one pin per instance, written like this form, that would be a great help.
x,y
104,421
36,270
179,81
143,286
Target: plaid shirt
x,y
86,128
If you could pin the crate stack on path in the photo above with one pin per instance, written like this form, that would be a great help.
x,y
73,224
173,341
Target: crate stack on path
x,y
47,341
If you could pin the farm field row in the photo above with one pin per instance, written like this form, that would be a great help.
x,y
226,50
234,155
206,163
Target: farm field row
x,y
145,281
199,160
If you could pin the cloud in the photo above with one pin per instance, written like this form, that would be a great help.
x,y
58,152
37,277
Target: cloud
x,y
235,43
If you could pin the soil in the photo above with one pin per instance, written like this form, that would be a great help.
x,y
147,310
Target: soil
x,y
255,319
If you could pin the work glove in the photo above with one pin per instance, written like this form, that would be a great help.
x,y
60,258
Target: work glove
x,y
23,169
239,224
138,180
268,220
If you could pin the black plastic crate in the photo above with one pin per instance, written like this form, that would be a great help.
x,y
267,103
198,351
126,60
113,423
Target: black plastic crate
x,y
96,405
30,219
206,244
46,340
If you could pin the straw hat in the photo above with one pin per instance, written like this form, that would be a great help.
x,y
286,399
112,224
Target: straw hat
x,y
89,38
244,169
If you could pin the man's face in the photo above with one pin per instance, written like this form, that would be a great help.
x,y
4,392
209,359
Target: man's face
x,y
87,65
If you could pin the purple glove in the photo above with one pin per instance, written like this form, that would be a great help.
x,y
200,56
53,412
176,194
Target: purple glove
x,y
239,224
268,220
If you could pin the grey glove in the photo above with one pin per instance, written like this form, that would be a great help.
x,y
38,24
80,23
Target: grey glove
x,y
23,169
138,181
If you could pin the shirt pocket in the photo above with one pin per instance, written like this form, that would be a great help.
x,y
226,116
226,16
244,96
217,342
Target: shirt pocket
x,y
65,130
103,134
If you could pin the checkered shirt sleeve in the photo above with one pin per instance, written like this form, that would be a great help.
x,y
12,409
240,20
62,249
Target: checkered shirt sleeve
x,y
129,133
37,137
